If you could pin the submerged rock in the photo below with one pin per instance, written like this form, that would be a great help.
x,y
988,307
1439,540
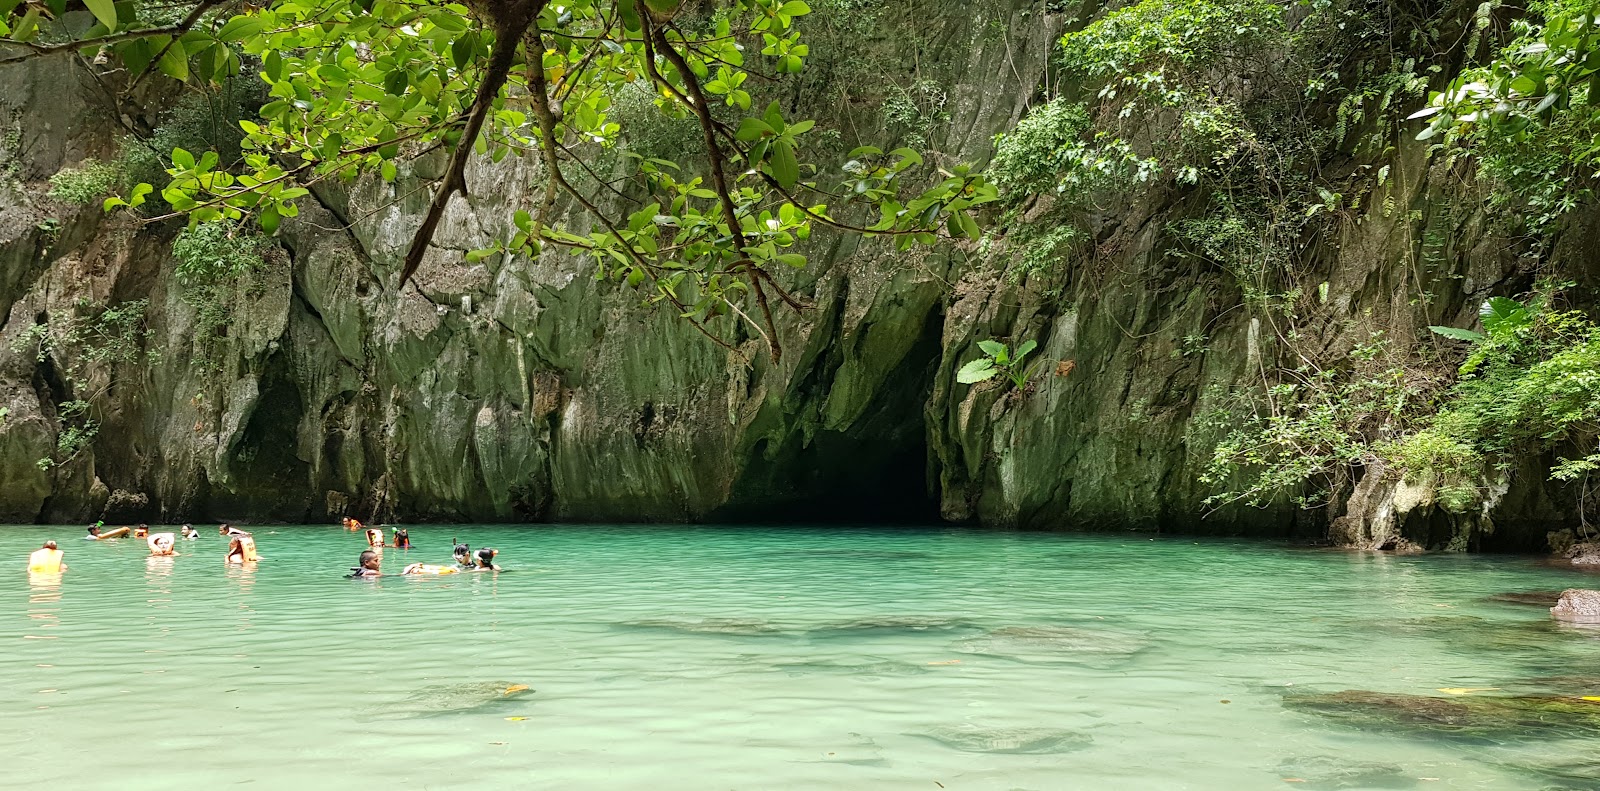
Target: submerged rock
x,y
1054,644
1529,598
1578,606
727,626
447,699
1472,716
898,623
1334,772
1026,741
872,667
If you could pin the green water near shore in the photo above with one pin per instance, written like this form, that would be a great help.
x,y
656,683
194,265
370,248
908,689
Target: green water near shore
x,y
755,658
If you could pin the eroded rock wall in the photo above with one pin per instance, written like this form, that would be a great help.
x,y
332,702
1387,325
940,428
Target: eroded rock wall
x,y
513,390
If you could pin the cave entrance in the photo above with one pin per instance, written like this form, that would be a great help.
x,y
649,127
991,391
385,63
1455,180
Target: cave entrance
x,y
876,471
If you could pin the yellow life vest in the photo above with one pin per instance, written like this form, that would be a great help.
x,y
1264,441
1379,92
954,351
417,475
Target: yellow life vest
x,y
45,561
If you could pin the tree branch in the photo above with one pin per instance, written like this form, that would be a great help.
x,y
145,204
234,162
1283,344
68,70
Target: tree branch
x,y
507,38
719,180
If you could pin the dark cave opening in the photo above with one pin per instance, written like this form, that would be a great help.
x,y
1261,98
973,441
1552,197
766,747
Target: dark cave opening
x,y
874,472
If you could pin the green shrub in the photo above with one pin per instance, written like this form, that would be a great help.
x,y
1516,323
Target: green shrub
x,y
88,183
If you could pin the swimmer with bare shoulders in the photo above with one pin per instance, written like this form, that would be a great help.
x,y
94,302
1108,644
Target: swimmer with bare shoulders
x,y
368,566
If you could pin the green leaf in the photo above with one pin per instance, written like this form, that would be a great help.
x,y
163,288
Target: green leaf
x,y
993,348
240,28
1457,334
785,167
1503,316
174,63
183,159
269,221
976,371
105,11
751,129
1027,346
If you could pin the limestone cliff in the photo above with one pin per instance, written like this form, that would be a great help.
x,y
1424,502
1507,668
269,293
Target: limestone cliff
x,y
518,390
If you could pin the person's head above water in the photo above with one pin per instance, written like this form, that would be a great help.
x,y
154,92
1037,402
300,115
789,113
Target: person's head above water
x,y
49,545
464,554
486,557
94,530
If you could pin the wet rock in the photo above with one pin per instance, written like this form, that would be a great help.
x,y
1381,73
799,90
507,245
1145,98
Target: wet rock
x,y
726,626
1501,717
448,699
1018,741
871,668
1578,606
1334,772
1544,599
1583,553
126,506
899,623
1044,644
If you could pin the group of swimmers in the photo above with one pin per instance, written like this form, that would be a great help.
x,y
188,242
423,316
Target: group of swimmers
x,y
242,549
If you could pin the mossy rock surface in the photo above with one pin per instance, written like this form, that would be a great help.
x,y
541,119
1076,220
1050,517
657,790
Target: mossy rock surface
x,y
1498,717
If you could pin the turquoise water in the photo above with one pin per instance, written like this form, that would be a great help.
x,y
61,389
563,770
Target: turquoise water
x,y
757,658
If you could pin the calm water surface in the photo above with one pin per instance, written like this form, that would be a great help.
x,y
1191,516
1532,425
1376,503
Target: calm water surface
x,y
757,658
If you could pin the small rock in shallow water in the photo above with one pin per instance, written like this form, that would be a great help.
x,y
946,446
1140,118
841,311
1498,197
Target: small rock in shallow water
x,y
1027,741
1333,772
1578,606
1054,644
730,626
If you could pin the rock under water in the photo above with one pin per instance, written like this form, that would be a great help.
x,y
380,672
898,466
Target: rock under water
x,y
449,699
1030,741
1481,716
1054,644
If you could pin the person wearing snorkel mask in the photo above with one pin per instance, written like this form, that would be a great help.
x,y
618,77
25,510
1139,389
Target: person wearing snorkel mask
x,y
402,538
463,555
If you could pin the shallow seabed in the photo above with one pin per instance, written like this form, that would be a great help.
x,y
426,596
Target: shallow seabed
x,y
767,658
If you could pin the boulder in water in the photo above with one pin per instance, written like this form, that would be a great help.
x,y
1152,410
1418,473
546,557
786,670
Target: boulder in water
x,y
1025,741
1578,606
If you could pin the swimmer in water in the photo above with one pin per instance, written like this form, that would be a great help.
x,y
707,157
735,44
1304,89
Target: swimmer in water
x,y
369,563
189,533
47,560
242,549
142,531
161,545
226,529
402,538
485,560
463,556
94,532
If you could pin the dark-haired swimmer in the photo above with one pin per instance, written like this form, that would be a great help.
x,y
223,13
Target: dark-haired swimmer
x,y
368,566
484,560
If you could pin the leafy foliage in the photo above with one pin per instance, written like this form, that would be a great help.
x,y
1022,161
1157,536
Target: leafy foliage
x,y
362,86
1529,115
998,358
87,183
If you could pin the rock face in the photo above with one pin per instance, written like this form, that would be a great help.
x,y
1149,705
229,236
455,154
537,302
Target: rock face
x,y
517,390
1578,606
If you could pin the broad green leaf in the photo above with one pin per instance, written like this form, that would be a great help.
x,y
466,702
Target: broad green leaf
x,y
240,28
1456,333
751,129
785,167
1503,316
105,11
976,371
1027,346
175,63
993,348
